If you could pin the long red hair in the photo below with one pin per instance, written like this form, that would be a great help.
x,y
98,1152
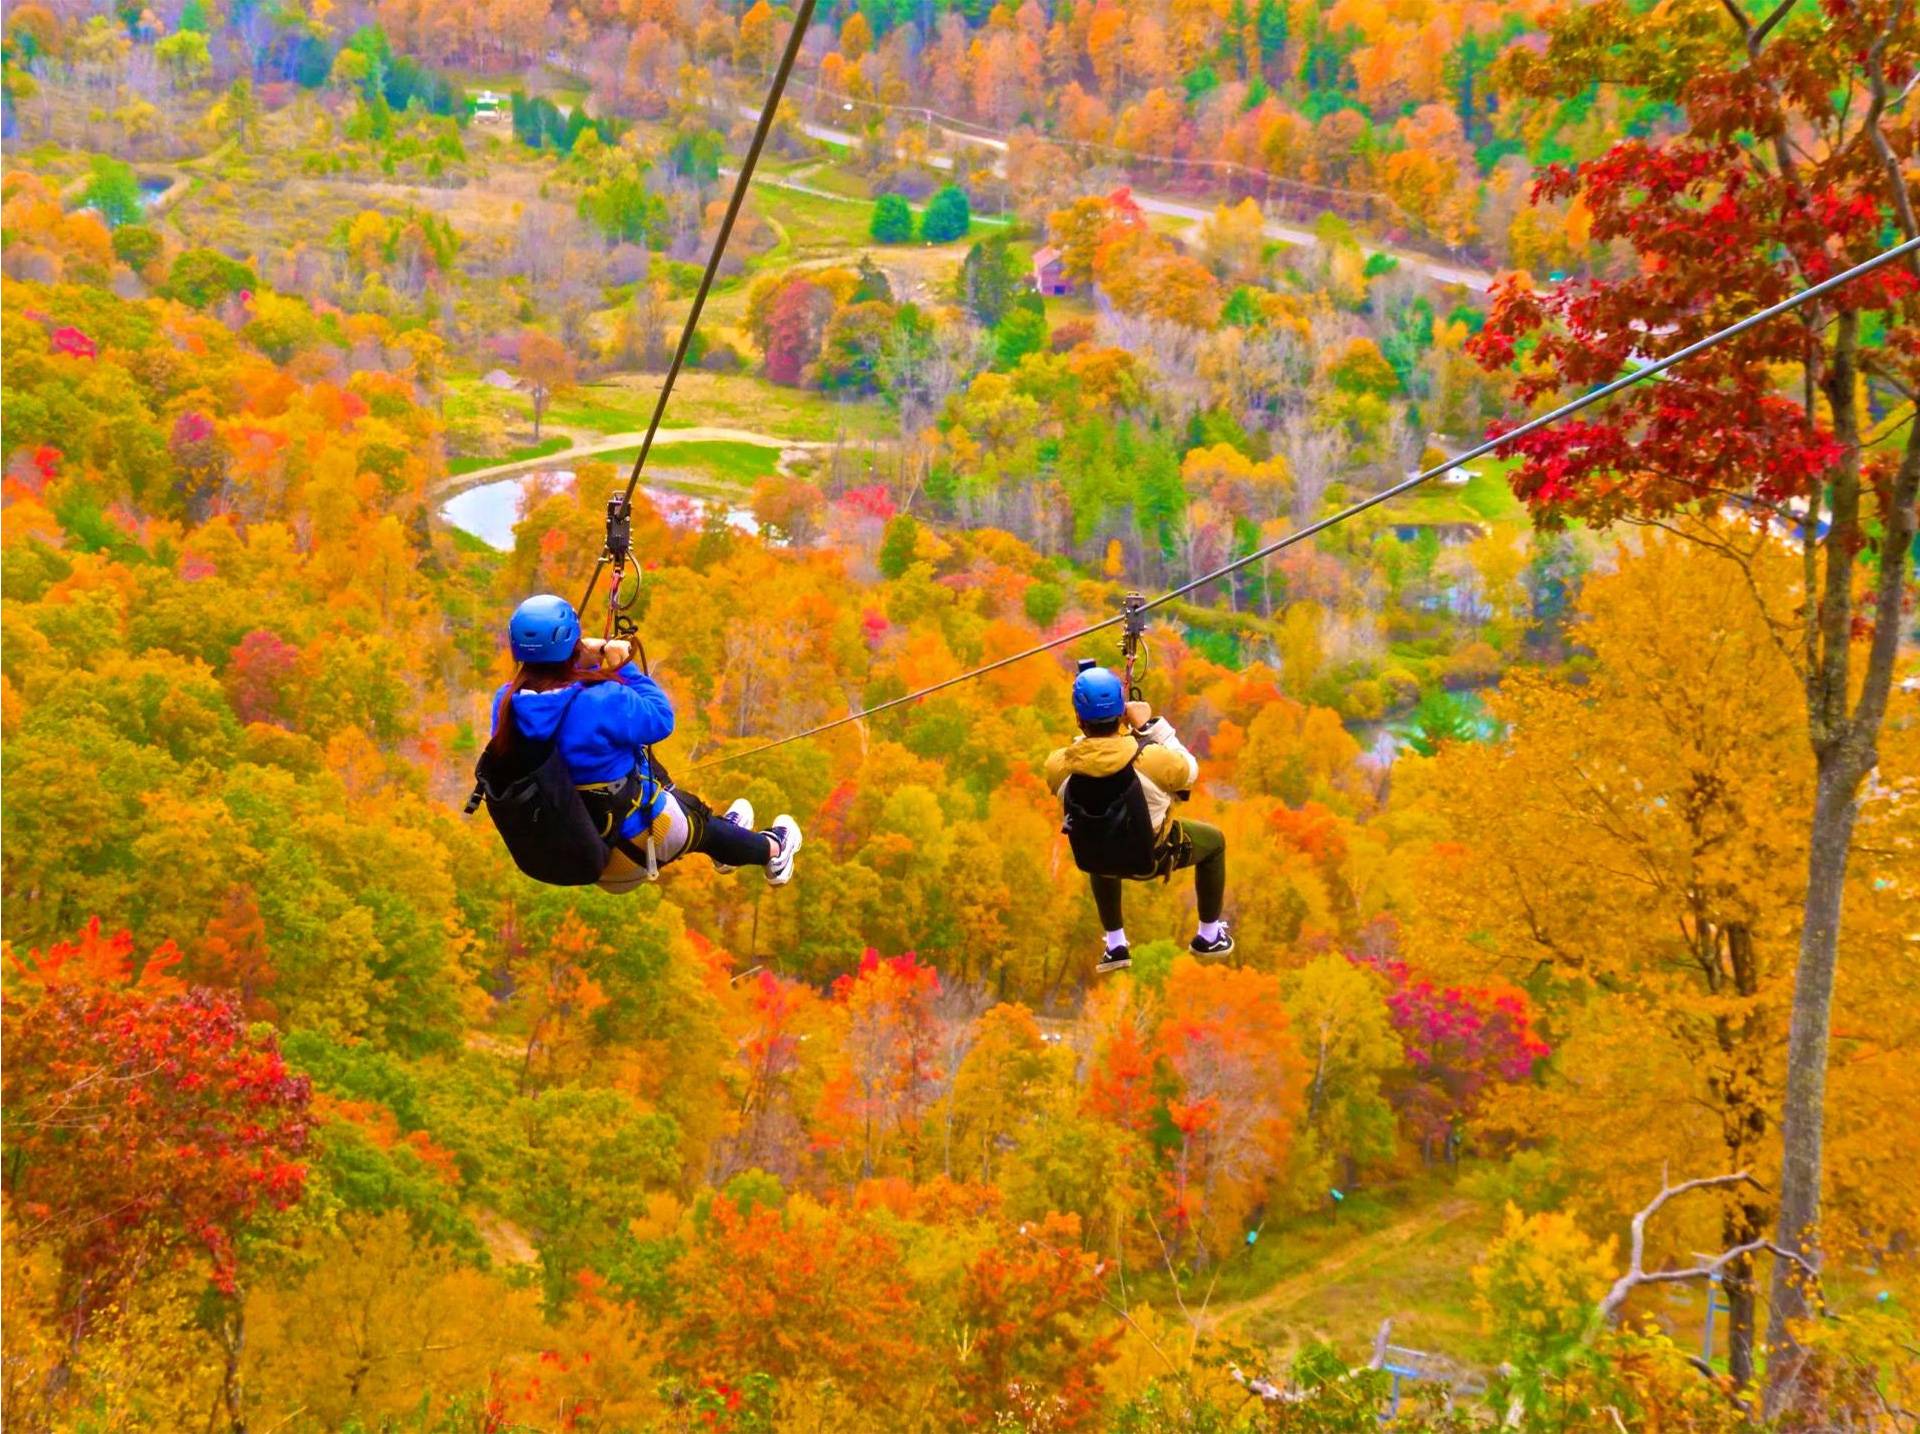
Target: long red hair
x,y
537,677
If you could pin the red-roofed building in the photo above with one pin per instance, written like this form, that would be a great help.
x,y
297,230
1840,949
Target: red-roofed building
x,y
1050,272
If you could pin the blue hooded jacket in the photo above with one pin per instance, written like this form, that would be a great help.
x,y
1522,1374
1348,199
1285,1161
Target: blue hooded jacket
x,y
606,728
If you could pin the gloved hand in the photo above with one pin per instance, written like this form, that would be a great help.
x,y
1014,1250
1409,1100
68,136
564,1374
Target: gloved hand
x,y
1138,715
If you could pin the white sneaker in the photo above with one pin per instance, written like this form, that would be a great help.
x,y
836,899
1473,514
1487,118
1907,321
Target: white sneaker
x,y
741,815
786,834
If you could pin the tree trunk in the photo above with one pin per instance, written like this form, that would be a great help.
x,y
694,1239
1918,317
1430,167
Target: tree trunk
x,y
1844,749
1803,1109
1744,1126
1737,1282
233,1340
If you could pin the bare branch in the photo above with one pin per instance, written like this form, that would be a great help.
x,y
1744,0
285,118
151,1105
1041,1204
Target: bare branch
x,y
1877,79
1637,1274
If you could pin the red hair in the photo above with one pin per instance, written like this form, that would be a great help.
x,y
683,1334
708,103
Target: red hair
x,y
537,677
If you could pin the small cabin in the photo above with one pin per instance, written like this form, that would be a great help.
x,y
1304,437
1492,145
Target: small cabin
x,y
1050,272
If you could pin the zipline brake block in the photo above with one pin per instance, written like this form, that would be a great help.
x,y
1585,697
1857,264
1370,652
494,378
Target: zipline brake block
x,y
619,529
1133,628
619,553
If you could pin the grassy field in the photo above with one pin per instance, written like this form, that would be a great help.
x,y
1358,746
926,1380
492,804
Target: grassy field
x,y
738,401
1485,498
556,443
622,403
740,463
1405,1253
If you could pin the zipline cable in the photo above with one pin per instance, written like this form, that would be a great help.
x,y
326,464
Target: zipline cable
x,y
1573,406
803,16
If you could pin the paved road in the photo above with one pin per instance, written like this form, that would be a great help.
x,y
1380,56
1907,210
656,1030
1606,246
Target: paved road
x,y
781,181
1477,280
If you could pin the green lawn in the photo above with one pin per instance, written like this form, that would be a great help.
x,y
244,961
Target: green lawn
x,y
745,463
736,465
605,409
1406,1253
838,181
816,228
1486,498
553,443
739,400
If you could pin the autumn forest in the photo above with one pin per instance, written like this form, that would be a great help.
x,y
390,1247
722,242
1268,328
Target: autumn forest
x,y
1562,1074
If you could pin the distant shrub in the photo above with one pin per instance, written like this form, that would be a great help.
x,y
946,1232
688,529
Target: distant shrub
x,y
1364,700
1533,1180
113,192
201,277
1071,335
948,216
1043,602
137,246
1401,687
1020,333
892,221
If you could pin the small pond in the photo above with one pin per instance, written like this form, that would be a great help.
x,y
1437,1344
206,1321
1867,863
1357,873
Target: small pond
x,y
490,511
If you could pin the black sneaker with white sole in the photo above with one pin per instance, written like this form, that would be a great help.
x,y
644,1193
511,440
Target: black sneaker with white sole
x,y
786,836
1118,958
1221,945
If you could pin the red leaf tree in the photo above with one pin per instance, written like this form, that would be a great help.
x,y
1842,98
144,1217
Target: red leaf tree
x,y
1459,1041
799,1293
1034,1301
145,1124
891,1070
1789,167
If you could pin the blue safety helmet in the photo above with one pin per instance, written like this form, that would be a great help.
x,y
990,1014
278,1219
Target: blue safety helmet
x,y
1098,694
545,628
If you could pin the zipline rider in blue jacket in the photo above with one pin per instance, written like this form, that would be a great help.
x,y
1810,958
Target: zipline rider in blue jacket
x,y
603,714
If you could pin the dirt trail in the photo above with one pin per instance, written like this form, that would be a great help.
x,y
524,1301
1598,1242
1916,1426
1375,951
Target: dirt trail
x,y
587,444
1301,1287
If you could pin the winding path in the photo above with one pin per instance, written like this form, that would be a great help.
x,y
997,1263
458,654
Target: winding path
x,y
591,445
1477,280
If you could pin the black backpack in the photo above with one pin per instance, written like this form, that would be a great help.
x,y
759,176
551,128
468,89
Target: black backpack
x,y
538,811
1108,825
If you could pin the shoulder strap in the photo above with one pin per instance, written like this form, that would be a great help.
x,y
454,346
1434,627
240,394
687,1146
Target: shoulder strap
x,y
478,795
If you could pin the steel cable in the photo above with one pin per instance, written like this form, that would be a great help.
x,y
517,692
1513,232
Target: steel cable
x,y
1534,425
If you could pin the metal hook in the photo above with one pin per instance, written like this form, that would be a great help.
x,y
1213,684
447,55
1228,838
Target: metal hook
x,y
1133,629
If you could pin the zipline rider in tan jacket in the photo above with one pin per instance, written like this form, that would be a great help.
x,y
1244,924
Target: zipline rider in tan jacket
x,y
1117,784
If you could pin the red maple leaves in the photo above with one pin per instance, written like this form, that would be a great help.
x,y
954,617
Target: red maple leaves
x,y
1717,236
145,1122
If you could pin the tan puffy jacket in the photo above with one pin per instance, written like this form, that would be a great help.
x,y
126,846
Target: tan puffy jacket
x,y
1165,767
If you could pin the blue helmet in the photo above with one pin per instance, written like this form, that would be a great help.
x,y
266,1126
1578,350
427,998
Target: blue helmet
x,y
544,629
1098,694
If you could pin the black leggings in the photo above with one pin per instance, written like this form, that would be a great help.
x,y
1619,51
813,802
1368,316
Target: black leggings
x,y
1207,857
724,842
